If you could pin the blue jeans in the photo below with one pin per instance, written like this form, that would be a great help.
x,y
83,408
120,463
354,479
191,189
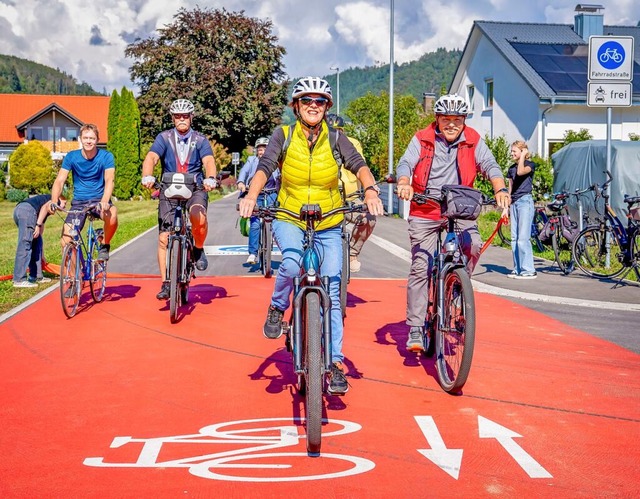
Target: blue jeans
x,y
289,238
522,212
254,227
29,250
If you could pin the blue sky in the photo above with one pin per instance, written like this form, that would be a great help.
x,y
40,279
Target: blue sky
x,y
87,39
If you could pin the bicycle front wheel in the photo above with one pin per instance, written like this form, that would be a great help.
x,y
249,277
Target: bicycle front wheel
x,y
174,280
70,281
635,254
98,279
313,367
267,246
346,274
562,251
597,252
455,341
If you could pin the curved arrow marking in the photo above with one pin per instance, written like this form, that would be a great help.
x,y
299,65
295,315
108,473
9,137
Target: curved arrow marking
x,y
448,460
504,436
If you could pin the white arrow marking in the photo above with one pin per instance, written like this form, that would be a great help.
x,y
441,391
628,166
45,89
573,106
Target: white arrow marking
x,y
504,436
448,460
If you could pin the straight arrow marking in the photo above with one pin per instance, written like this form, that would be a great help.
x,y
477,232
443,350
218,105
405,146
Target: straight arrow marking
x,y
448,460
504,436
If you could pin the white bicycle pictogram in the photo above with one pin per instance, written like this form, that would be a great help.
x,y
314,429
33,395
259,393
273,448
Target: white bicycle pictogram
x,y
610,54
255,441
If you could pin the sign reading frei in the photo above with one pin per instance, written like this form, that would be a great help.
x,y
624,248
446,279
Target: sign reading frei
x,y
610,58
609,94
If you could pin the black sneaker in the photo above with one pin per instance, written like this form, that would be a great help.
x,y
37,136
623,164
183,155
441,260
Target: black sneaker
x,y
200,258
273,325
164,291
415,342
337,381
103,252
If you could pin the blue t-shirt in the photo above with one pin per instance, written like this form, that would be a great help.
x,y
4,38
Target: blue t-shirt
x,y
88,174
166,147
522,185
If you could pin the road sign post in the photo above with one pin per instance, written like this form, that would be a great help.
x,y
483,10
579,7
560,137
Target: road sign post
x,y
235,161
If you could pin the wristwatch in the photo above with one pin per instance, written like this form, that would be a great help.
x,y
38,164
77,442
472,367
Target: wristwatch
x,y
504,189
373,188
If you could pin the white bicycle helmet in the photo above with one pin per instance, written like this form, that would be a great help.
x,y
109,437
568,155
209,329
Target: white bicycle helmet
x,y
262,141
312,85
181,106
451,104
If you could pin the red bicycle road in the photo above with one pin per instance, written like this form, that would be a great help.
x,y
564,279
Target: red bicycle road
x,y
118,402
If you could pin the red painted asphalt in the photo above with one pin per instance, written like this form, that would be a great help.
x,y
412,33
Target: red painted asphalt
x,y
118,402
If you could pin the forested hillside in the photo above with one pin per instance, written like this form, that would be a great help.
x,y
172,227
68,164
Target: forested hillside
x,y
21,76
431,73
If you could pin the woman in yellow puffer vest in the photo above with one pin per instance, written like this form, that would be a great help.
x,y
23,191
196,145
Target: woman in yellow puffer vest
x,y
309,175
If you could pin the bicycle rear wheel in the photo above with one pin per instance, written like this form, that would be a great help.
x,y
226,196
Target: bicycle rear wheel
x,y
70,281
597,252
562,251
455,341
98,278
312,335
635,254
174,279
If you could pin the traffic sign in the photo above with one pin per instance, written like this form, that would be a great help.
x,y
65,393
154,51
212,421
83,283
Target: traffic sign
x,y
609,94
235,158
611,58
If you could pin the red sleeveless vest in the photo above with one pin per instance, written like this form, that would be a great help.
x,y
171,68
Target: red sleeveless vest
x,y
467,168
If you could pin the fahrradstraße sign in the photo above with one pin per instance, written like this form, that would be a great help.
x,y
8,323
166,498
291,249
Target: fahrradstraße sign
x,y
610,58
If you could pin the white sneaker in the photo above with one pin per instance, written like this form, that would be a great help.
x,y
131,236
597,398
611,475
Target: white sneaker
x,y
354,264
513,275
527,275
252,259
24,284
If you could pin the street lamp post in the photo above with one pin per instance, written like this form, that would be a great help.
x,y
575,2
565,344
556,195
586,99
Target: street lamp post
x,y
337,70
391,57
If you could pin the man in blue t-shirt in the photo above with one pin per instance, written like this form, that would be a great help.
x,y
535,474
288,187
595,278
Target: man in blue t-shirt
x,y
93,172
181,149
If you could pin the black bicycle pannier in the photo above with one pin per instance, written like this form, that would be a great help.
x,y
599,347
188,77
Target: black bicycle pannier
x,y
461,202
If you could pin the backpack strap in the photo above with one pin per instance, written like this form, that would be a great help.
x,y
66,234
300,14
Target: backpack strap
x,y
288,133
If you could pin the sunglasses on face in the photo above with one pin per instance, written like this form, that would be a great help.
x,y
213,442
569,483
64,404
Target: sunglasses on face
x,y
181,116
320,101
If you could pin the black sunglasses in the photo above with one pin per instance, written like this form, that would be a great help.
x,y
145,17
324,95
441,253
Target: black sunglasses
x,y
320,101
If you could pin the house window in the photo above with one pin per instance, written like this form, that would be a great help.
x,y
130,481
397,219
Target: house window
x,y
470,91
488,94
35,133
71,133
50,133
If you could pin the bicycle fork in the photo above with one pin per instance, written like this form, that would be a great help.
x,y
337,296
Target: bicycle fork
x,y
299,292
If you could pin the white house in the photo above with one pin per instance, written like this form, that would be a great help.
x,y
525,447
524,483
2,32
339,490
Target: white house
x,y
529,81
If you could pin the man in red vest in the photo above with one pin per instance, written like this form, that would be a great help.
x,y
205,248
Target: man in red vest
x,y
446,152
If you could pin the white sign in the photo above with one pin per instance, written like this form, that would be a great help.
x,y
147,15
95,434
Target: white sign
x,y
235,158
611,58
607,94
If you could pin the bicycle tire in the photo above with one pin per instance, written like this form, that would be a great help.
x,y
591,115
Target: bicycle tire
x,y
538,225
590,252
562,251
504,232
313,367
267,246
98,277
345,276
70,282
635,254
455,342
174,280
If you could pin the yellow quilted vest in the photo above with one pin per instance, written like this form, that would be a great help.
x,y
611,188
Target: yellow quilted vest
x,y
350,183
310,178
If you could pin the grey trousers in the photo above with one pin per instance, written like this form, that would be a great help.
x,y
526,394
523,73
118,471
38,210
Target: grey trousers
x,y
423,234
28,250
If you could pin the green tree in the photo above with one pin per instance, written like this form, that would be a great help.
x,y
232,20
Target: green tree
x,y
227,64
31,167
128,163
369,117
112,124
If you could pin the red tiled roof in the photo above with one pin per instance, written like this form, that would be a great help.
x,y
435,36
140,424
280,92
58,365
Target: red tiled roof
x,y
17,108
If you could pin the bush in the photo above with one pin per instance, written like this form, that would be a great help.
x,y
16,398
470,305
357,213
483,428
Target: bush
x,y
17,195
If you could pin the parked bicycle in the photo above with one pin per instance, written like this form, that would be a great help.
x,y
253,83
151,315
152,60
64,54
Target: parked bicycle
x,y
308,331
540,218
80,261
180,267
451,314
265,243
607,248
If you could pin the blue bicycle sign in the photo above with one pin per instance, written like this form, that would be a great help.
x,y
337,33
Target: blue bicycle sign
x,y
611,55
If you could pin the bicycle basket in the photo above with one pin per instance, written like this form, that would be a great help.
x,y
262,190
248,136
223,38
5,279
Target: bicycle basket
x,y
461,202
178,185
634,212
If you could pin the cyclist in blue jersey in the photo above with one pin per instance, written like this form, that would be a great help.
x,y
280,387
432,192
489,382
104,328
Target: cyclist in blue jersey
x,y
93,172
181,149
273,184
